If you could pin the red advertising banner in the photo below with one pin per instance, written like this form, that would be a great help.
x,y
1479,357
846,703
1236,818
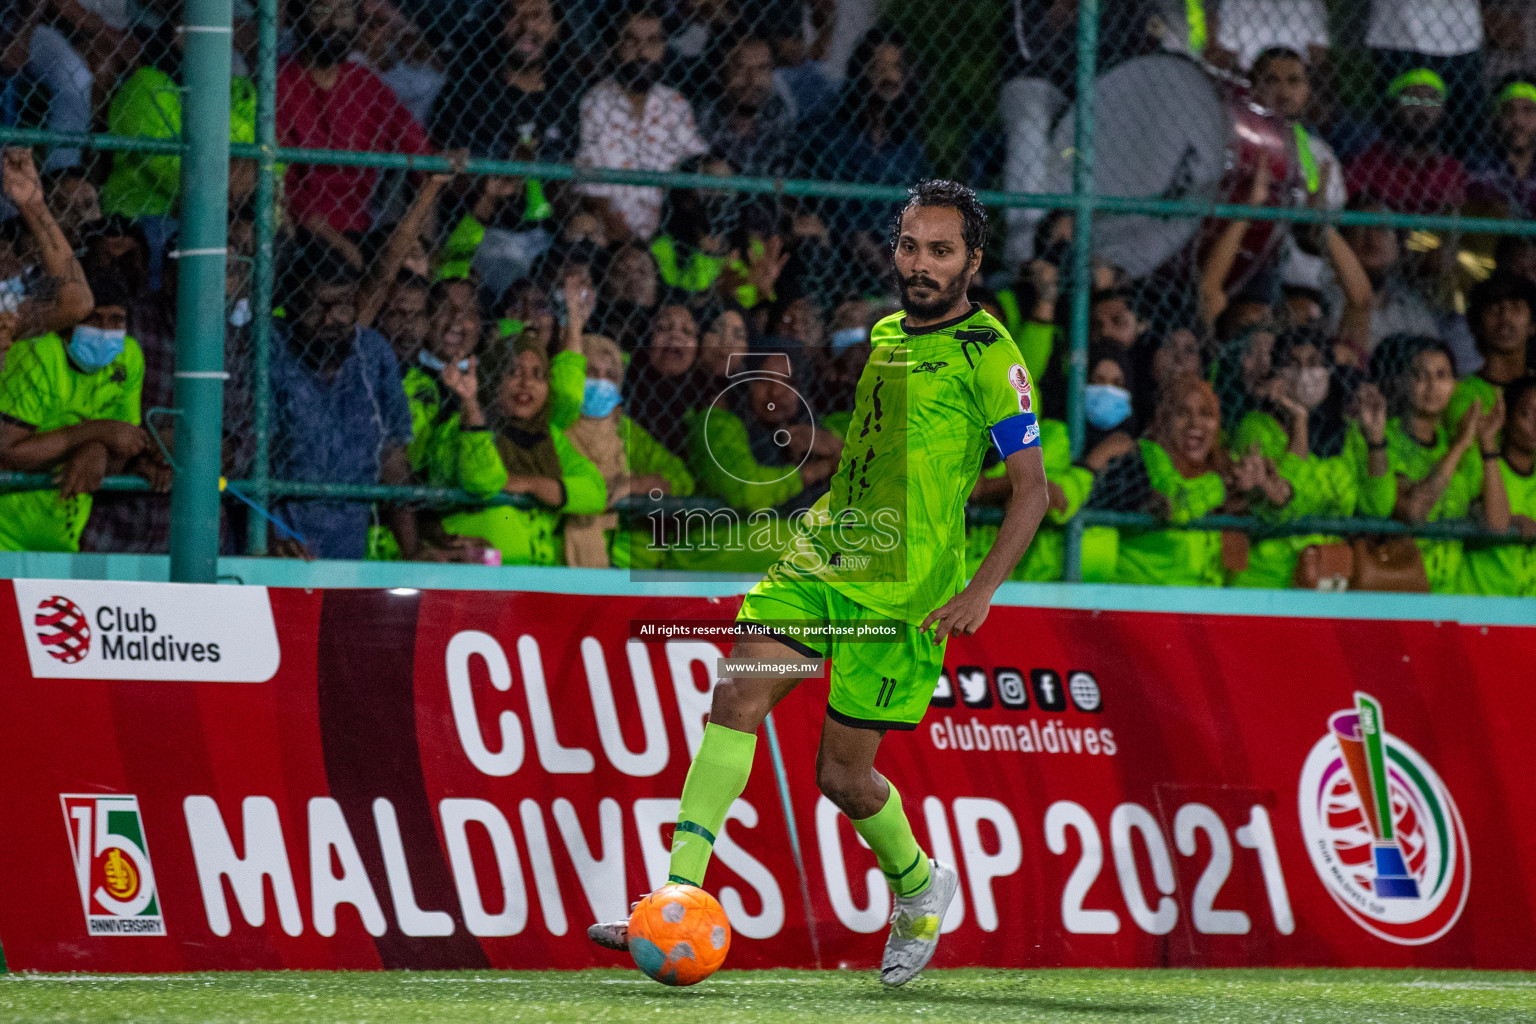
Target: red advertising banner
x,y
235,777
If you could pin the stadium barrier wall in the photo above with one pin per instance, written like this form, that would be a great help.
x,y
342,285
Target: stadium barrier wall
x,y
244,777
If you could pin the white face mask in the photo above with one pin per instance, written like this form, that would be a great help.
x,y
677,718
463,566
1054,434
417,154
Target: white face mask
x,y
1312,385
241,314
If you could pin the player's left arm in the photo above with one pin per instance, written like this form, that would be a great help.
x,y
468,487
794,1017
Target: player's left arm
x,y
964,613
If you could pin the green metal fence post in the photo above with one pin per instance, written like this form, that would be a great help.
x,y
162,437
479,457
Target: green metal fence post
x,y
1082,257
200,291
261,270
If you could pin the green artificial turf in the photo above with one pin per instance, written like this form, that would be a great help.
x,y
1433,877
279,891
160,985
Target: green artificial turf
x,y
771,997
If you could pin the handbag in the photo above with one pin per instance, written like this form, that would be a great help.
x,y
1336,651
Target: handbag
x,y
1391,563
1325,566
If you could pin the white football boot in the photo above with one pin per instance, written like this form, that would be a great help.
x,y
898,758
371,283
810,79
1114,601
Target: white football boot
x,y
915,922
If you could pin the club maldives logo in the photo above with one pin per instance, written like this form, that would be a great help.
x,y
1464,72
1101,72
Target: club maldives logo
x,y
1383,832
117,883
103,629
62,629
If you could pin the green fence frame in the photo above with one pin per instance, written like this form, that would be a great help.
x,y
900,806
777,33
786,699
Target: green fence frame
x,y
261,488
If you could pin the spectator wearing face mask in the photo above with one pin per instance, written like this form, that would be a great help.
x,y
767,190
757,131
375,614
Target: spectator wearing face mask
x,y
71,407
1439,475
1409,169
1502,314
1509,569
631,461
1109,404
325,101
1333,467
631,121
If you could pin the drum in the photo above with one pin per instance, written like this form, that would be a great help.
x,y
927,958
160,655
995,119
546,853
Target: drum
x,y
1164,128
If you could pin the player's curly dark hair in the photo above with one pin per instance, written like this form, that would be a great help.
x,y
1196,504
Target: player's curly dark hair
x,y
943,192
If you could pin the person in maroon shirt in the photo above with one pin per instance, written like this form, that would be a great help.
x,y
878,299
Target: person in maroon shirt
x,y
325,101
1408,169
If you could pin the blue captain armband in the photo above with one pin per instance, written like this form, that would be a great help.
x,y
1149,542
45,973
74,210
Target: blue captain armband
x,y
1016,433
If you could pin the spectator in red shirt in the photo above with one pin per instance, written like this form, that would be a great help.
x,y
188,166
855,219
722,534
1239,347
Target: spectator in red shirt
x,y
1409,169
325,101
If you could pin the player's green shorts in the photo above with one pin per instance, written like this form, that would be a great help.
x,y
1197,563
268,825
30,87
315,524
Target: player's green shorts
x,y
875,684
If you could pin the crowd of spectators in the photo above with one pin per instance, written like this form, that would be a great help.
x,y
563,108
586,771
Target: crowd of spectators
x,y
593,344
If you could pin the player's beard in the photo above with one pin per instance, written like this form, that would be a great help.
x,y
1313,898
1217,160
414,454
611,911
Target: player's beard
x,y
945,295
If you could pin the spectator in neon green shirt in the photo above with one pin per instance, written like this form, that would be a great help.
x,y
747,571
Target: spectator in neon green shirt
x,y
71,407
1332,467
536,399
1510,569
1177,474
1438,476
1502,314
148,105
451,445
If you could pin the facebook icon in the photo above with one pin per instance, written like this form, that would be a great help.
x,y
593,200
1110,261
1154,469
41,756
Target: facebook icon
x,y
1049,693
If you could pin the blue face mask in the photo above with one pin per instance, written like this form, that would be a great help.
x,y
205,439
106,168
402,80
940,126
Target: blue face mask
x,y
1107,405
93,348
848,336
437,365
599,398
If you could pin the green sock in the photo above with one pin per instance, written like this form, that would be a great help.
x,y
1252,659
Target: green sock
x,y
717,776
889,834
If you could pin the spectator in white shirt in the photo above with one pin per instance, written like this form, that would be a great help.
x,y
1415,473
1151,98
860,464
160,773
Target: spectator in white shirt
x,y
630,121
1246,28
1445,36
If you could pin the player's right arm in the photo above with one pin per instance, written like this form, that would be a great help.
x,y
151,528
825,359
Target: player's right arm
x,y
1004,401
964,613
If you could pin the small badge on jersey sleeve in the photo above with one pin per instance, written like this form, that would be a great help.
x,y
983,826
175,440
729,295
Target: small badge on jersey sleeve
x,y
1019,378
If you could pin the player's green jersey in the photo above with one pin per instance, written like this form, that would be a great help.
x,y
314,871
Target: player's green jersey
x,y
890,534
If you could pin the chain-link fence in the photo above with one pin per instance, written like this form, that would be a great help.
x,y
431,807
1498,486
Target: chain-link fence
x,y
522,251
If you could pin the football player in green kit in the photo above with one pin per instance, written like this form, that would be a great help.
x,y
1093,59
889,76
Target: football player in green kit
x,y
886,546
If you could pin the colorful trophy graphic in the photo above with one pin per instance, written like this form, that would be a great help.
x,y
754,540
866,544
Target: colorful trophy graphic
x,y
1359,735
